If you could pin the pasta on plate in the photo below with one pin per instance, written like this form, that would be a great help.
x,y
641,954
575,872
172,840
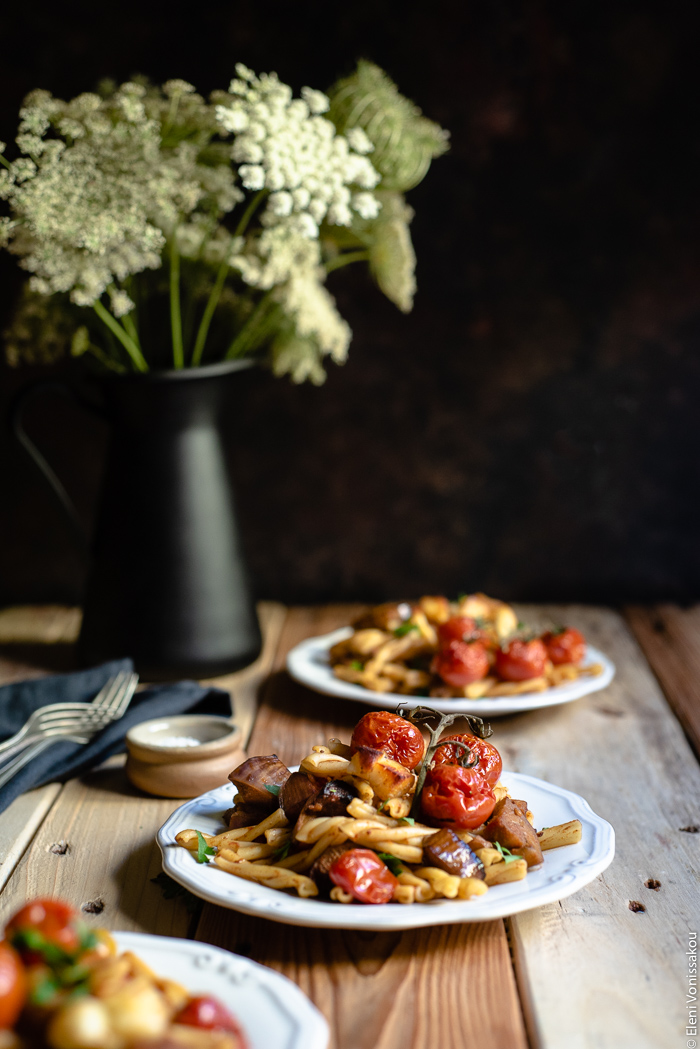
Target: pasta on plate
x,y
391,817
471,648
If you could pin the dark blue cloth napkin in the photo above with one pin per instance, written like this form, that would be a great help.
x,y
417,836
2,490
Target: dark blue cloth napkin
x,y
63,759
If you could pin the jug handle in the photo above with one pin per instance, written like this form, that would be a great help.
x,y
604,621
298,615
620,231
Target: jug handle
x,y
24,398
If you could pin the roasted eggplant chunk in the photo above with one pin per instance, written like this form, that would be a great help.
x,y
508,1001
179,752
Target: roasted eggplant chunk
x,y
333,800
510,827
245,814
319,870
448,852
253,778
297,791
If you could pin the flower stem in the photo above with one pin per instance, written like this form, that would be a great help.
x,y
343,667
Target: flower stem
x,y
215,295
125,339
131,330
212,303
244,340
248,213
346,259
5,161
175,314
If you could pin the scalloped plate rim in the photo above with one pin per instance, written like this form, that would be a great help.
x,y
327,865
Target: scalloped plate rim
x,y
306,663
306,1026
556,879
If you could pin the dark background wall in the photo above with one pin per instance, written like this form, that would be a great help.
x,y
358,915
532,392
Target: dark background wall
x,y
532,427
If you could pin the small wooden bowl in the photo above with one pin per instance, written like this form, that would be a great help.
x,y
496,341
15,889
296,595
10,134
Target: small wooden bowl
x,y
183,756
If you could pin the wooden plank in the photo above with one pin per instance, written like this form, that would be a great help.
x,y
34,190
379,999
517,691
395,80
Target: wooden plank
x,y
29,625
109,829
44,624
96,849
670,639
20,822
412,990
592,972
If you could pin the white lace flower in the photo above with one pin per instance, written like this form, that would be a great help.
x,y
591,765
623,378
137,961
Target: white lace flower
x,y
366,205
281,204
232,118
359,140
252,176
120,302
297,149
315,100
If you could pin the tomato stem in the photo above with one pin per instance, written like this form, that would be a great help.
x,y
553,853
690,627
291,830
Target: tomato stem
x,y
423,716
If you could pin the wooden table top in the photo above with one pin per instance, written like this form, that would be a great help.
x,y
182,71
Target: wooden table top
x,y
589,972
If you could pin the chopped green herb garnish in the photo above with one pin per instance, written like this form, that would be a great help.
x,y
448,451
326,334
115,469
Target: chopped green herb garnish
x,y
393,862
282,852
355,664
35,941
404,629
273,788
461,597
204,851
521,625
44,991
407,819
507,855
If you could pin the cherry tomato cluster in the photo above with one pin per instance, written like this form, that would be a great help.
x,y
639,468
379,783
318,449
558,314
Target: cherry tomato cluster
x,y
467,653
45,958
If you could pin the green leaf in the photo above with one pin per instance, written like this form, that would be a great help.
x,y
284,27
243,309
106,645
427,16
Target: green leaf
x,y
507,855
355,664
44,991
273,788
408,819
393,862
32,940
283,851
203,850
404,629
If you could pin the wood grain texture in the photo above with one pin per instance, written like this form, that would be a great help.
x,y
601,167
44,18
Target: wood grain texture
x,y
594,974
22,630
108,826
670,637
411,990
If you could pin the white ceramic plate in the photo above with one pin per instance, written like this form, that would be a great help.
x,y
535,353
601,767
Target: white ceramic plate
x,y
563,872
271,1010
308,663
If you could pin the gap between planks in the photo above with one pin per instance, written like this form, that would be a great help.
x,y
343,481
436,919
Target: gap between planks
x,y
403,990
670,639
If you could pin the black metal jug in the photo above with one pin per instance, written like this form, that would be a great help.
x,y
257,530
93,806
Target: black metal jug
x,y
167,584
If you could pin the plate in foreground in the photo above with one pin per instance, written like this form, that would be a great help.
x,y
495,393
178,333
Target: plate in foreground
x,y
564,871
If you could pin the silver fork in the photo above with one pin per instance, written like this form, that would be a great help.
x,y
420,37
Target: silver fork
x,y
112,707
58,717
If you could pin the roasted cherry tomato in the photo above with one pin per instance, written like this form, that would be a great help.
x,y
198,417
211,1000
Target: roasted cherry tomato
x,y
208,1014
361,873
458,628
13,985
456,797
55,922
461,662
489,765
565,646
397,737
521,660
